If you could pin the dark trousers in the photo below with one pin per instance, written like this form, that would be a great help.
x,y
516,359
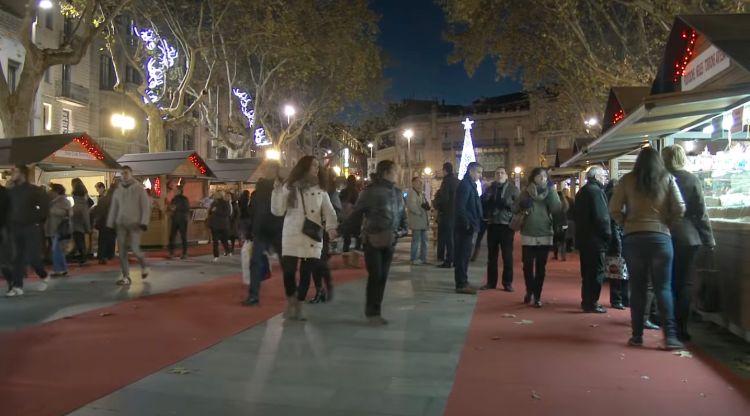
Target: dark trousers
x,y
378,263
445,241
259,267
464,243
478,242
535,268
27,251
682,284
619,292
592,276
321,273
220,236
499,240
289,265
79,241
180,227
6,255
105,249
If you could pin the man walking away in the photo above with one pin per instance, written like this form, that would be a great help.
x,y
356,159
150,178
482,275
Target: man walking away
x,y
593,233
498,208
468,211
28,208
445,205
129,215
265,231
5,247
105,246
418,210
180,209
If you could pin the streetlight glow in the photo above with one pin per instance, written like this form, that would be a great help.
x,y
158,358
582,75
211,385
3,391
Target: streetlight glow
x,y
45,4
408,133
428,171
273,154
372,148
517,170
289,112
123,122
369,145
337,169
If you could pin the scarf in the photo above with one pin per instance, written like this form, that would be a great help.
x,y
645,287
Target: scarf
x,y
308,181
534,192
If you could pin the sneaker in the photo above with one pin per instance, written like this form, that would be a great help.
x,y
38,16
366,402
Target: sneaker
x,y
251,302
671,343
123,281
466,290
216,259
45,284
635,341
377,320
144,273
16,291
485,287
59,274
538,304
509,289
651,325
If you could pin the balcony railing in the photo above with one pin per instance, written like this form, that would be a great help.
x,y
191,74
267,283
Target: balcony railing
x,y
74,93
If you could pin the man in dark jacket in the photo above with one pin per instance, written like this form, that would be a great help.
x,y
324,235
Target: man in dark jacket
x,y
468,211
179,207
593,232
5,247
445,206
265,231
29,207
497,205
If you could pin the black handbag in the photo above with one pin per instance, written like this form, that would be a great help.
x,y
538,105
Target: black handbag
x,y
310,228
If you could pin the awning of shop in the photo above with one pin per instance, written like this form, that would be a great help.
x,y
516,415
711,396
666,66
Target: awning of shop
x,y
183,163
56,152
236,170
658,116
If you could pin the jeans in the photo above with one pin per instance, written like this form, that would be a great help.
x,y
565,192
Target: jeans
x,y
419,245
682,284
129,236
106,244
378,262
535,268
259,266
464,242
27,244
79,239
445,241
499,239
220,236
592,276
181,228
289,265
59,265
650,255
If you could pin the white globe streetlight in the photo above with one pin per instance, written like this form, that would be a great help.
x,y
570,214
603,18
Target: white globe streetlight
x,y
273,154
45,4
371,146
289,112
428,171
408,133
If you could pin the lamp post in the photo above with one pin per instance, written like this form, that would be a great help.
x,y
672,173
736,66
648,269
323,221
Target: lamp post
x,y
408,133
289,112
45,4
371,146
517,170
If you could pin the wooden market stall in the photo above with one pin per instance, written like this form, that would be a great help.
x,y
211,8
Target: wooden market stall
x,y
161,174
234,175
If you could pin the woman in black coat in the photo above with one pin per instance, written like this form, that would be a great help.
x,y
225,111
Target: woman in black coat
x,y
688,234
219,221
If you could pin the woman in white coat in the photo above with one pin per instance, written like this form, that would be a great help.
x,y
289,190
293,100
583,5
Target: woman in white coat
x,y
297,199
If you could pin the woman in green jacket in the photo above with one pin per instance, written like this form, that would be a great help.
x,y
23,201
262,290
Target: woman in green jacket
x,y
541,204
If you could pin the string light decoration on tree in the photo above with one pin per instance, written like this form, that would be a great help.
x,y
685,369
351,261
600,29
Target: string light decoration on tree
x,y
689,37
246,101
467,153
618,116
198,163
90,147
163,57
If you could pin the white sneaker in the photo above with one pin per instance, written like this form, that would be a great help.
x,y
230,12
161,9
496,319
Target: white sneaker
x,y
215,259
123,281
16,291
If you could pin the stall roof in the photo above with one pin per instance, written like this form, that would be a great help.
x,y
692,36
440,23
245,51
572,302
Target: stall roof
x,y
163,163
622,101
235,170
45,151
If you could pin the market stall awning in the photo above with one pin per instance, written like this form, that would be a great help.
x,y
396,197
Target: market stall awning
x,y
183,163
236,170
56,152
622,102
659,116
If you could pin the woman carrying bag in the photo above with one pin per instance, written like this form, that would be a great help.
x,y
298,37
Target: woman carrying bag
x,y
304,206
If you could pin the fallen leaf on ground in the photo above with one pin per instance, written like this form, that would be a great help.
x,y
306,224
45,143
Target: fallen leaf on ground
x,y
594,325
683,354
105,314
524,322
509,315
535,396
645,378
702,394
496,338
684,380
180,371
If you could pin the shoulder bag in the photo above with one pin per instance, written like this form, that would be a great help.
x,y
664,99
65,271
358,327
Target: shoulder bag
x,y
310,228
518,220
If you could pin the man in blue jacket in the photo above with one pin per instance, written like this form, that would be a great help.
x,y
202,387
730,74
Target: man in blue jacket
x,y
468,211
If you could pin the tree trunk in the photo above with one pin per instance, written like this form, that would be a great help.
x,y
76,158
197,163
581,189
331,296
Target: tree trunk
x,y
16,117
157,139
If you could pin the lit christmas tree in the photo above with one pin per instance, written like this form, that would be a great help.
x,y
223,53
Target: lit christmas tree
x,y
467,154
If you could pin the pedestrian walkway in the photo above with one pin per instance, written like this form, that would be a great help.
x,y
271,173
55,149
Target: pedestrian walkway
x,y
188,348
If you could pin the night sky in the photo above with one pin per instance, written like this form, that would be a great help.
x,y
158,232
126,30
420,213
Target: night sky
x,y
411,35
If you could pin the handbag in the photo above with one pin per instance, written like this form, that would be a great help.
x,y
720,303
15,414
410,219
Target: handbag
x,y
310,228
63,230
518,220
615,268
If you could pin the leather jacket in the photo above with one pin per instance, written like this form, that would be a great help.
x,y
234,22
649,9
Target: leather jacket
x,y
382,205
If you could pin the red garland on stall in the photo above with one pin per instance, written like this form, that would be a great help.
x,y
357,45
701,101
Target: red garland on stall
x,y
689,37
157,187
618,116
198,163
90,147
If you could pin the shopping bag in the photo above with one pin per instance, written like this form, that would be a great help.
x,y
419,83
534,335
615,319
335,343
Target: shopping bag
x,y
246,251
615,268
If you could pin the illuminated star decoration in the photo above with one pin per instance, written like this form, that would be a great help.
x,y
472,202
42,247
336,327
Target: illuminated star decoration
x,y
163,58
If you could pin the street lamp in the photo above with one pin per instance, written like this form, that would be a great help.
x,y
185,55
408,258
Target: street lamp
x,y
289,112
45,4
517,170
123,122
337,170
273,154
591,122
371,146
408,133
428,171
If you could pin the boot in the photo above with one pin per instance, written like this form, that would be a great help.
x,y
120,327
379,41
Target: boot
x,y
289,313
